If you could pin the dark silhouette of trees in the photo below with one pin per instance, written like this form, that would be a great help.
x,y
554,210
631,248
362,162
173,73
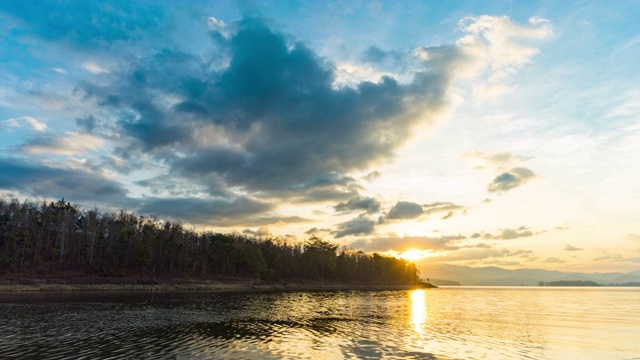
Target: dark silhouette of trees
x,y
59,237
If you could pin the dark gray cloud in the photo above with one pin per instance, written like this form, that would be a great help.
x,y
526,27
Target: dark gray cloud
x,y
410,210
241,210
270,122
35,179
379,57
404,210
368,204
315,230
510,180
361,225
568,247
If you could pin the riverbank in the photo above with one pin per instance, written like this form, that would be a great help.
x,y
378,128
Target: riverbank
x,y
230,285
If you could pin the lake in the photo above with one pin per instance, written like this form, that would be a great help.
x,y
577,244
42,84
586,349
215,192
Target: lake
x,y
445,323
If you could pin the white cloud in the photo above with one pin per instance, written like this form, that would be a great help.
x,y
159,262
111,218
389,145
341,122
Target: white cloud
x,y
35,123
349,74
496,46
94,68
215,24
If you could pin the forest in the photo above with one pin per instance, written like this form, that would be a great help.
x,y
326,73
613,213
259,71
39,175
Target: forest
x,y
60,237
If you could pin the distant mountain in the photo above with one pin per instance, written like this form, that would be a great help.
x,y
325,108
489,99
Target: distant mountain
x,y
495,276
440,282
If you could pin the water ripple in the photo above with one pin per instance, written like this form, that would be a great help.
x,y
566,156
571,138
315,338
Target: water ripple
x,y
440,324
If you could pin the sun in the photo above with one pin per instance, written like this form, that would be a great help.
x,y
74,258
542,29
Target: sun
x,y
413,254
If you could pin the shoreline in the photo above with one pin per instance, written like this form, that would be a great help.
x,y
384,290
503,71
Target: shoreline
x,y
103,285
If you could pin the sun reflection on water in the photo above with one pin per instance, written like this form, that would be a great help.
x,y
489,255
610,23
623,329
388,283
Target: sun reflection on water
x,y
418,310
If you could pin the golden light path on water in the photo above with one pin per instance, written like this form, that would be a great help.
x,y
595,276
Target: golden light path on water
x,y
418,310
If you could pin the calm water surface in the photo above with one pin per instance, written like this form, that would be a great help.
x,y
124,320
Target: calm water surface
x,y
445,323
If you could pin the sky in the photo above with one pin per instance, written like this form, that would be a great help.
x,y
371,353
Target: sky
x,y
494,133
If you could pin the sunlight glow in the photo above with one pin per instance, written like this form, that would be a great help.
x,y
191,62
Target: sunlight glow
x,y
413,254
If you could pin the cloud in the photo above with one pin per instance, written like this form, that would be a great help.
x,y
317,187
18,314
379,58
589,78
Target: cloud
x,y
510,234
494,159
13,123
410,210
268,121
67,144
252,118
510,180
507,234
448,215
553,260
568,247
375,55
373,175
491,45
404,210
315,230
38,180
439,207
361,225
94,68
240,210
261,232
368,204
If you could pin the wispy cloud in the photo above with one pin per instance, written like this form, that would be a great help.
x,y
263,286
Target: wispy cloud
x,y
94,68
14,123
67,144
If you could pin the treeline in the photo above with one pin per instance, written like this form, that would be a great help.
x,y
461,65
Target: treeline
x,y
58,237
568,283
442,282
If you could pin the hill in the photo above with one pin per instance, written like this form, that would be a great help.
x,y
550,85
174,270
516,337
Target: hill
x,y
495,276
